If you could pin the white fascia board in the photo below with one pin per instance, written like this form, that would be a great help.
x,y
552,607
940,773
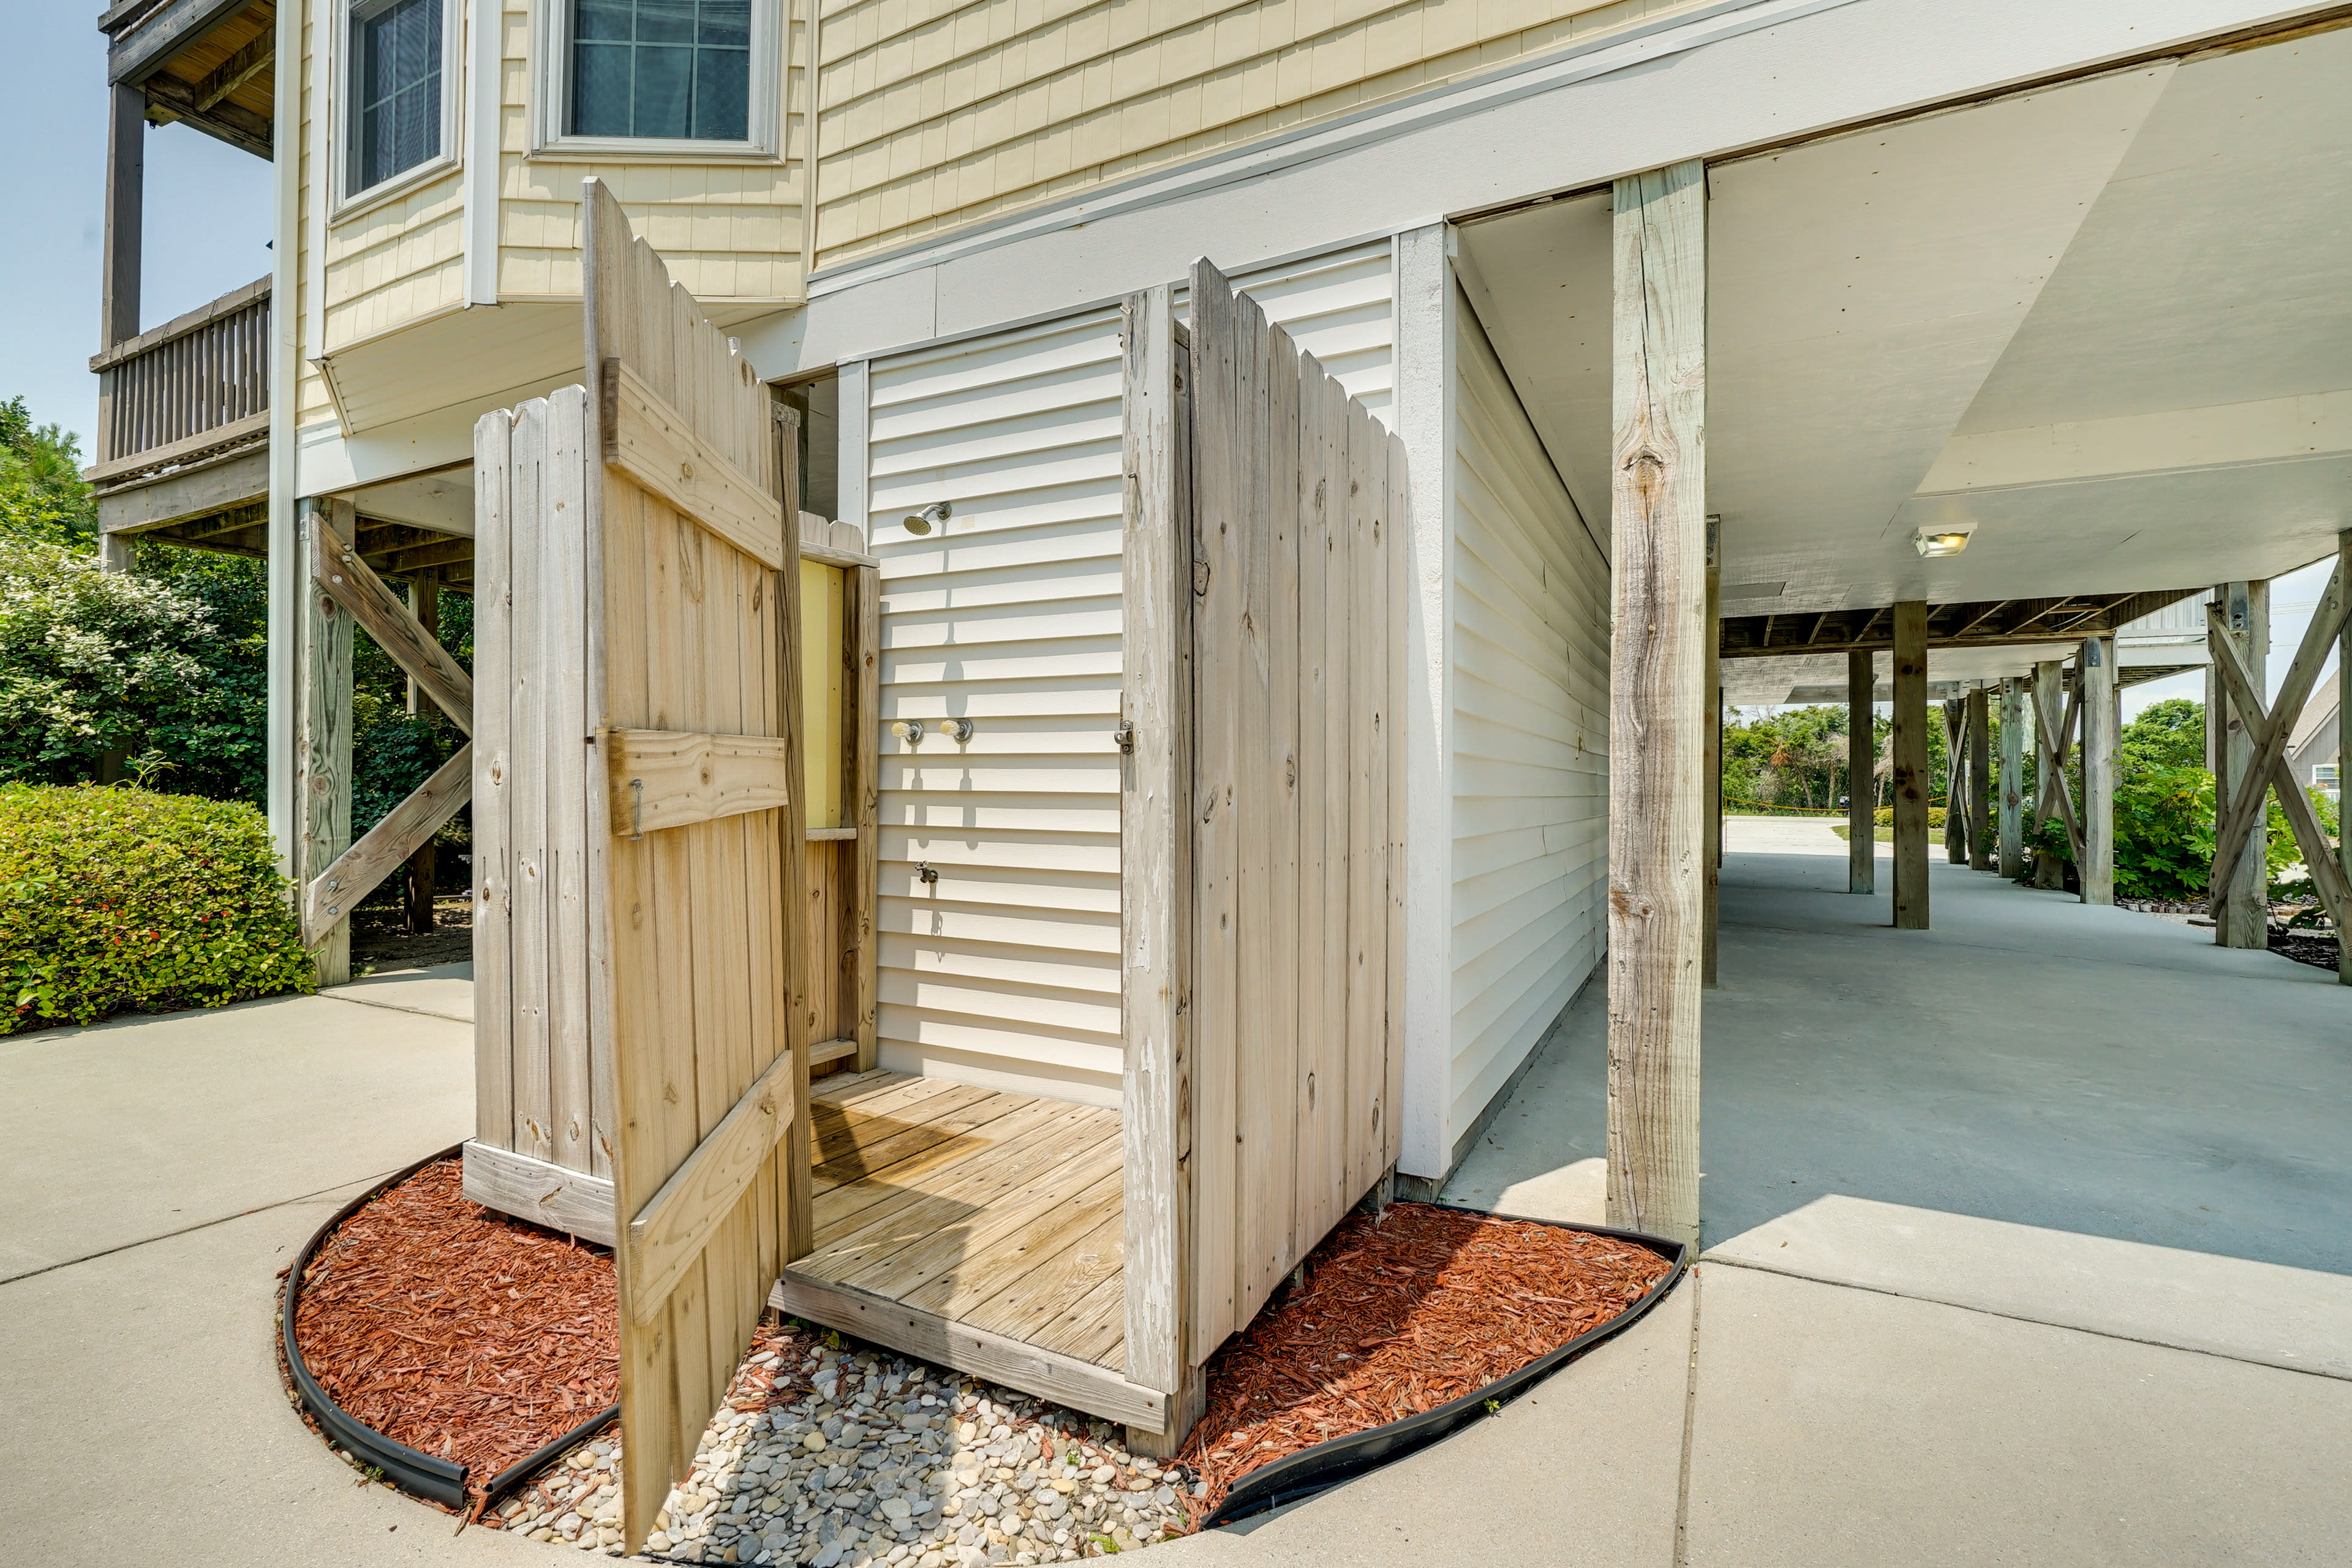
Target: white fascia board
x,y
1708,85
1425,413
2231,435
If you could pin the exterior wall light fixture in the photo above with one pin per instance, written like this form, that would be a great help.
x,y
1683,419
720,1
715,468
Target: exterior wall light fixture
x,y
1941,542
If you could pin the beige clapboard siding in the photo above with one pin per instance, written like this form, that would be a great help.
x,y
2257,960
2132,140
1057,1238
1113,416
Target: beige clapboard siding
x,y
312,403
937,114
1530,738
1005,972
397,262
729,231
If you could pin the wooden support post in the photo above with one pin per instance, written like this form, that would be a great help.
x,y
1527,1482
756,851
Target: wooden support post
x,y
1862,774
2012,778
1656,691
2096,869
126,178
323,756
2049,768
1910,781
2241,909
1955,786
1979,722
425,604
1712,872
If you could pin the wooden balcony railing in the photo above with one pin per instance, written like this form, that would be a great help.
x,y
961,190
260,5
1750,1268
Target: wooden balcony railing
x,y
184,388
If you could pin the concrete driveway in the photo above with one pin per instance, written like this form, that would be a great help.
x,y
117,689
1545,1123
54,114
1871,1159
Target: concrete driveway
x,y
2068,1295
155,1175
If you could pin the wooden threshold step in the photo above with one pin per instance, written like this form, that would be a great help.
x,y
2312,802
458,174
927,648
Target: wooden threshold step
x,y
927,1336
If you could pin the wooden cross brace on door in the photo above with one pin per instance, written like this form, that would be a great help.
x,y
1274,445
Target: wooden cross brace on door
x,y
2268,728
338,572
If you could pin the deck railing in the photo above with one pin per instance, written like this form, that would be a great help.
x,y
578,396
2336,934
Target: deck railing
x,y
187,386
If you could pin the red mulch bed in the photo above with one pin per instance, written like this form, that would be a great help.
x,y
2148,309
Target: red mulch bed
x,y
456,1329
1399,1316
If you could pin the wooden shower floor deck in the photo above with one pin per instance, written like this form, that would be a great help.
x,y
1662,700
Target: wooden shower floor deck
x,y
973,1229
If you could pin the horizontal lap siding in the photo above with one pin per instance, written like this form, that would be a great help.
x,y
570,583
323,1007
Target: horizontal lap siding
x,y
395,263
940,113
1341,307
729,231
1006,971
1530,738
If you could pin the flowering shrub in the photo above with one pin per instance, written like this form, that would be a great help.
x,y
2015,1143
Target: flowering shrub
x,y
124,899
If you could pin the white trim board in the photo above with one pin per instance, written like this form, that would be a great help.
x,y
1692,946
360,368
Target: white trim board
x,y
1744,77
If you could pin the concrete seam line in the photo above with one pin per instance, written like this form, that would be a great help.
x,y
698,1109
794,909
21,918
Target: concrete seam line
x,y
189,1230
1690,1420
2026,1318
392,1007
1867,931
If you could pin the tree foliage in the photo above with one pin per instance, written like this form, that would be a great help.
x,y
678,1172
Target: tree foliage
x,y
42,493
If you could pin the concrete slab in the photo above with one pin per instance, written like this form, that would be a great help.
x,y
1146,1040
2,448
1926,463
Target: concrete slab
x,y
2029,1060
2299,1318
440,991
1835,1426
1792,836
1584,1469
1543,1154
147,1126
146,1422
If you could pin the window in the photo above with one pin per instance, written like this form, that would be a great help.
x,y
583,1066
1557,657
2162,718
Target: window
x,y
395,115
688,79
674,68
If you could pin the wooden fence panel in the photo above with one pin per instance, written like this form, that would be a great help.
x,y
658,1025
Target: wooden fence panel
x,y
645,1020
1294,657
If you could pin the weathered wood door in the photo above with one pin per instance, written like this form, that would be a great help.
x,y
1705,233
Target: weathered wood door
x,y
656,504
1260,842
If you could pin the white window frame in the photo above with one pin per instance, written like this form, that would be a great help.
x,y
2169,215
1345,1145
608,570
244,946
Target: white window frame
x,y
550,33
348,203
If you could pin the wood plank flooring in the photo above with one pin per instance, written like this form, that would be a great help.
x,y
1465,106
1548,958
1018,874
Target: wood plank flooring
x,y
978,1228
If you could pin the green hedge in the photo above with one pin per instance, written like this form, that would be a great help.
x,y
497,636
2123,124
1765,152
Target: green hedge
x,y
1885,816
124,899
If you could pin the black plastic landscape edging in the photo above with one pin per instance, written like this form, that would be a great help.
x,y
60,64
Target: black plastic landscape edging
x,y
1327,1464
417,1473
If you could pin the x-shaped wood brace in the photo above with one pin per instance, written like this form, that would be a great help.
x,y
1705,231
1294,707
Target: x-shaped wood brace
x,y
348,580
2268,730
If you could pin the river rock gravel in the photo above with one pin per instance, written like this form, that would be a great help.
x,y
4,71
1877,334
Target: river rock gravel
x,y
830,1454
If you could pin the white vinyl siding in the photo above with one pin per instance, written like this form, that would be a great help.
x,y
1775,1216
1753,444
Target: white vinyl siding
x,y
1530,737
1004,972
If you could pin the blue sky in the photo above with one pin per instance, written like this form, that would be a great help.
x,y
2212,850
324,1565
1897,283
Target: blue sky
x,y
207,225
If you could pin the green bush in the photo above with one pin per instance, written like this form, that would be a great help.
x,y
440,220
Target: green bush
x,y
124,899
1885,816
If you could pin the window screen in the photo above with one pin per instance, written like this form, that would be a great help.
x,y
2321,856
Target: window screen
x,y
395,88
677,68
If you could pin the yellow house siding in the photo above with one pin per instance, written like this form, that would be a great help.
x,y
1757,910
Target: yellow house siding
x,y
731,231
312,403
933,114
728,230
394,263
